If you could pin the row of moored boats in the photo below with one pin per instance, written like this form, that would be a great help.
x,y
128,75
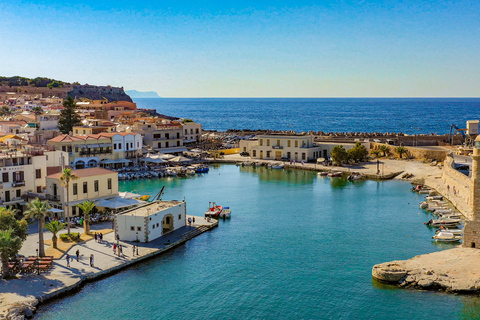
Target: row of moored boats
x,y
161,172
445,218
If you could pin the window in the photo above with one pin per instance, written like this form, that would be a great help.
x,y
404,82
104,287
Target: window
x,y
303,156
296,143
64,148
95,185
139,228
119,146
166,144
76,149
278,143
254,153
109,184
191,131
83,131
157,136
5,177
178,143
186,131
196,131
179,217
75,189
153,226
19,193
132,228
38,173
261,142
114,146
157,224
138,144
268,142
85,188
178,135
289,155
76,131
159,145
167,136
167,220
268,154
39,189
18,176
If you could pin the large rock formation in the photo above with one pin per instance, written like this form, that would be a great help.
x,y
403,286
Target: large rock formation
x,y
454,270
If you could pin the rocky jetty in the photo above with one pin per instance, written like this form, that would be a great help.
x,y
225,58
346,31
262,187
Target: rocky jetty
x,y
455,270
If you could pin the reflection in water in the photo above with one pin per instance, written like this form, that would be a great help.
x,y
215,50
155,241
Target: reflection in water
x,y
289,175
471,308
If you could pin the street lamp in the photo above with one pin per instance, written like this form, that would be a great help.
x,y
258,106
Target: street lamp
x,y
38,264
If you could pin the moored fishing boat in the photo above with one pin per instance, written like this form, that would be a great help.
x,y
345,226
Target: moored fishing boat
x,y
444,236
442,222
213,210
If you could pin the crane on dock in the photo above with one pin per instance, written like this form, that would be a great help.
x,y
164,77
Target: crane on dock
x,y
453,130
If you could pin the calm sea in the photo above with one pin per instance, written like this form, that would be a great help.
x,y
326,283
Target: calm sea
x,y
297,247
412,116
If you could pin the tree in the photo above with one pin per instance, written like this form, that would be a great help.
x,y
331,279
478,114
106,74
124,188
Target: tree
x,y
10,241
5,111
358,153
37,110
55,227
339,155
376,153
38,209
386,150
65,179
401,151
68,117
86,206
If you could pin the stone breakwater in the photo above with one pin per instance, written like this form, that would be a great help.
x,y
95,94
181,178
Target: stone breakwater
x,y
455,270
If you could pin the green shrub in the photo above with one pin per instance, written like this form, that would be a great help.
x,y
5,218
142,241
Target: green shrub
x,y
64,237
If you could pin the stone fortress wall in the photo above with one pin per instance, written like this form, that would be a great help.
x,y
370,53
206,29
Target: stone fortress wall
x,y
99,93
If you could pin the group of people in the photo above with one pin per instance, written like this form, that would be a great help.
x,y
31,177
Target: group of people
x,y
98,237
77,253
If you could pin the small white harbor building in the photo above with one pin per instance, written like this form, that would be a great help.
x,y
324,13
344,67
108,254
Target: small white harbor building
x,y
150,221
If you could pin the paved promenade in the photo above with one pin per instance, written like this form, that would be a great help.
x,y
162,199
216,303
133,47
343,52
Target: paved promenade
x,y
28,288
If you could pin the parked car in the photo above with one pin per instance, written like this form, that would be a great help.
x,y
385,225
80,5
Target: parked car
x,y
244,154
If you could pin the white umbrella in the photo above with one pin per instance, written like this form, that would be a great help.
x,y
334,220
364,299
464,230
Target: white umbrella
x,y
129,195
117,203
180,159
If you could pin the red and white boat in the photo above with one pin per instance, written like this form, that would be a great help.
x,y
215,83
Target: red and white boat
x,y
217,212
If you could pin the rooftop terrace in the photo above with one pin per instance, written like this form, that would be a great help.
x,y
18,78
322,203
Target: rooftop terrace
x,y
151,208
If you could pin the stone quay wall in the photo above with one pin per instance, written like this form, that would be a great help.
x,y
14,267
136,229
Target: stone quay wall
x,y
457,187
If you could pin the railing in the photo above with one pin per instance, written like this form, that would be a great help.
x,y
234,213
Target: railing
x,y
42,196
18,183
277,147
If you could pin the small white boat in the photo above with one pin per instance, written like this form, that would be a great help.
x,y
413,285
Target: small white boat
x,y
443,222
226,213
444,236
277,166
434,198
455,231
355,176
334,174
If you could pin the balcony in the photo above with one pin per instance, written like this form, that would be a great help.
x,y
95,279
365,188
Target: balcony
x,y
18,183
41,196
277,147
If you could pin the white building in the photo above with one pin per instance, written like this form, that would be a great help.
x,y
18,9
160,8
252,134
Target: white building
x,y
150,221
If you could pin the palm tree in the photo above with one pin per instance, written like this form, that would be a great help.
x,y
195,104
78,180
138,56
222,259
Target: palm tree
x,y
376,153
55,227
38,209
401,150
65,179
86,206
386,150
8,240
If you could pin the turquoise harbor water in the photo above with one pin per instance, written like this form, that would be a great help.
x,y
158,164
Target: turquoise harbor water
x,y
298,247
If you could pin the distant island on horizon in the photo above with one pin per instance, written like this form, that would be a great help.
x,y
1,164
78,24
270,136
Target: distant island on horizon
x,y
140,94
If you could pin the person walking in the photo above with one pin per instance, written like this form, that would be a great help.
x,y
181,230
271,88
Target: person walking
x,y
193,219
68,260
95,236
91,260
101,237
78,254
120,253
114,248
133,249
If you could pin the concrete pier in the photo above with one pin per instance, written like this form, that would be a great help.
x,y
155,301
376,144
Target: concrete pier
x,y
21,296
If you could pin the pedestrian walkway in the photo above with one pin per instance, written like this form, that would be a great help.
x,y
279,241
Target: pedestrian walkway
x,y
62,278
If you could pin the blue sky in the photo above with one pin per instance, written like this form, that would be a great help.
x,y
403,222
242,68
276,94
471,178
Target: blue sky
x,y
246,49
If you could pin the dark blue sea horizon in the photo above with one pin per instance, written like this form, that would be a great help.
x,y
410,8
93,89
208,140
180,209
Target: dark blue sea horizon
x,y
406,115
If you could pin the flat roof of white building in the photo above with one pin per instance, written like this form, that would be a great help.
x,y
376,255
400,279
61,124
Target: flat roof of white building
x,y
151,208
